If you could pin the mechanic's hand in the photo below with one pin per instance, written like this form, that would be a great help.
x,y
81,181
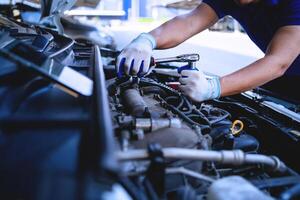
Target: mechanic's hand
x,y
195,85
135,59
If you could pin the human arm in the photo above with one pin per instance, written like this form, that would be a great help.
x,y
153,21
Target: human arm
x,y
180,28
282,51
135,58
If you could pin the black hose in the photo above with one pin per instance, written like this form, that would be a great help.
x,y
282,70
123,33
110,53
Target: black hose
x,y
189,105
185,118
219,119
183,101
203,117
154,90
145,81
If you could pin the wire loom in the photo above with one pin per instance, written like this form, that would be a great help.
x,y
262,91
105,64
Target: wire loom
x,y
204,117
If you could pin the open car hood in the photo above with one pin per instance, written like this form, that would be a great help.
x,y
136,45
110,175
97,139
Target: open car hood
x,y
55,7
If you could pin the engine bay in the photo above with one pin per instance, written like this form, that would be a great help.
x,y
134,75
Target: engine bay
x,y
151,113
106,137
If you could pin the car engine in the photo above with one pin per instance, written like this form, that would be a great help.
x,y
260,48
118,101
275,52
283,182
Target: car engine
x,y
152,118
70,128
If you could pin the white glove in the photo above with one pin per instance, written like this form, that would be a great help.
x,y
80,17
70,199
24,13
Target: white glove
x,y
136,57
196,86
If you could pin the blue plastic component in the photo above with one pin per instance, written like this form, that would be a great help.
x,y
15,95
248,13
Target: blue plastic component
x,y
126,6
121,68
186,67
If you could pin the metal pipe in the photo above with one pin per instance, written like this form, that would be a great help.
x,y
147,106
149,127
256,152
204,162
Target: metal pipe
x,y
177,170
149,124
235,157
181,58
182,170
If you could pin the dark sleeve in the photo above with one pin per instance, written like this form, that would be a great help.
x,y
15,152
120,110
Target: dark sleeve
x,y
289,13
221,7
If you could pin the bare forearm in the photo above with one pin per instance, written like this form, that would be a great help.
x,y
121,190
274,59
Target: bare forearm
x,y
170,33
282,51
180,28
254,75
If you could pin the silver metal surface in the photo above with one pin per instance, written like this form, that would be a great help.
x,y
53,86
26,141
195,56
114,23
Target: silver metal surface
x,y
235,157
182,170
148,124
180,58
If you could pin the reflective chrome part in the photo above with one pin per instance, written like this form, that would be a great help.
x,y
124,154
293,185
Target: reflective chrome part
x,y
235,157
156,124
180,58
